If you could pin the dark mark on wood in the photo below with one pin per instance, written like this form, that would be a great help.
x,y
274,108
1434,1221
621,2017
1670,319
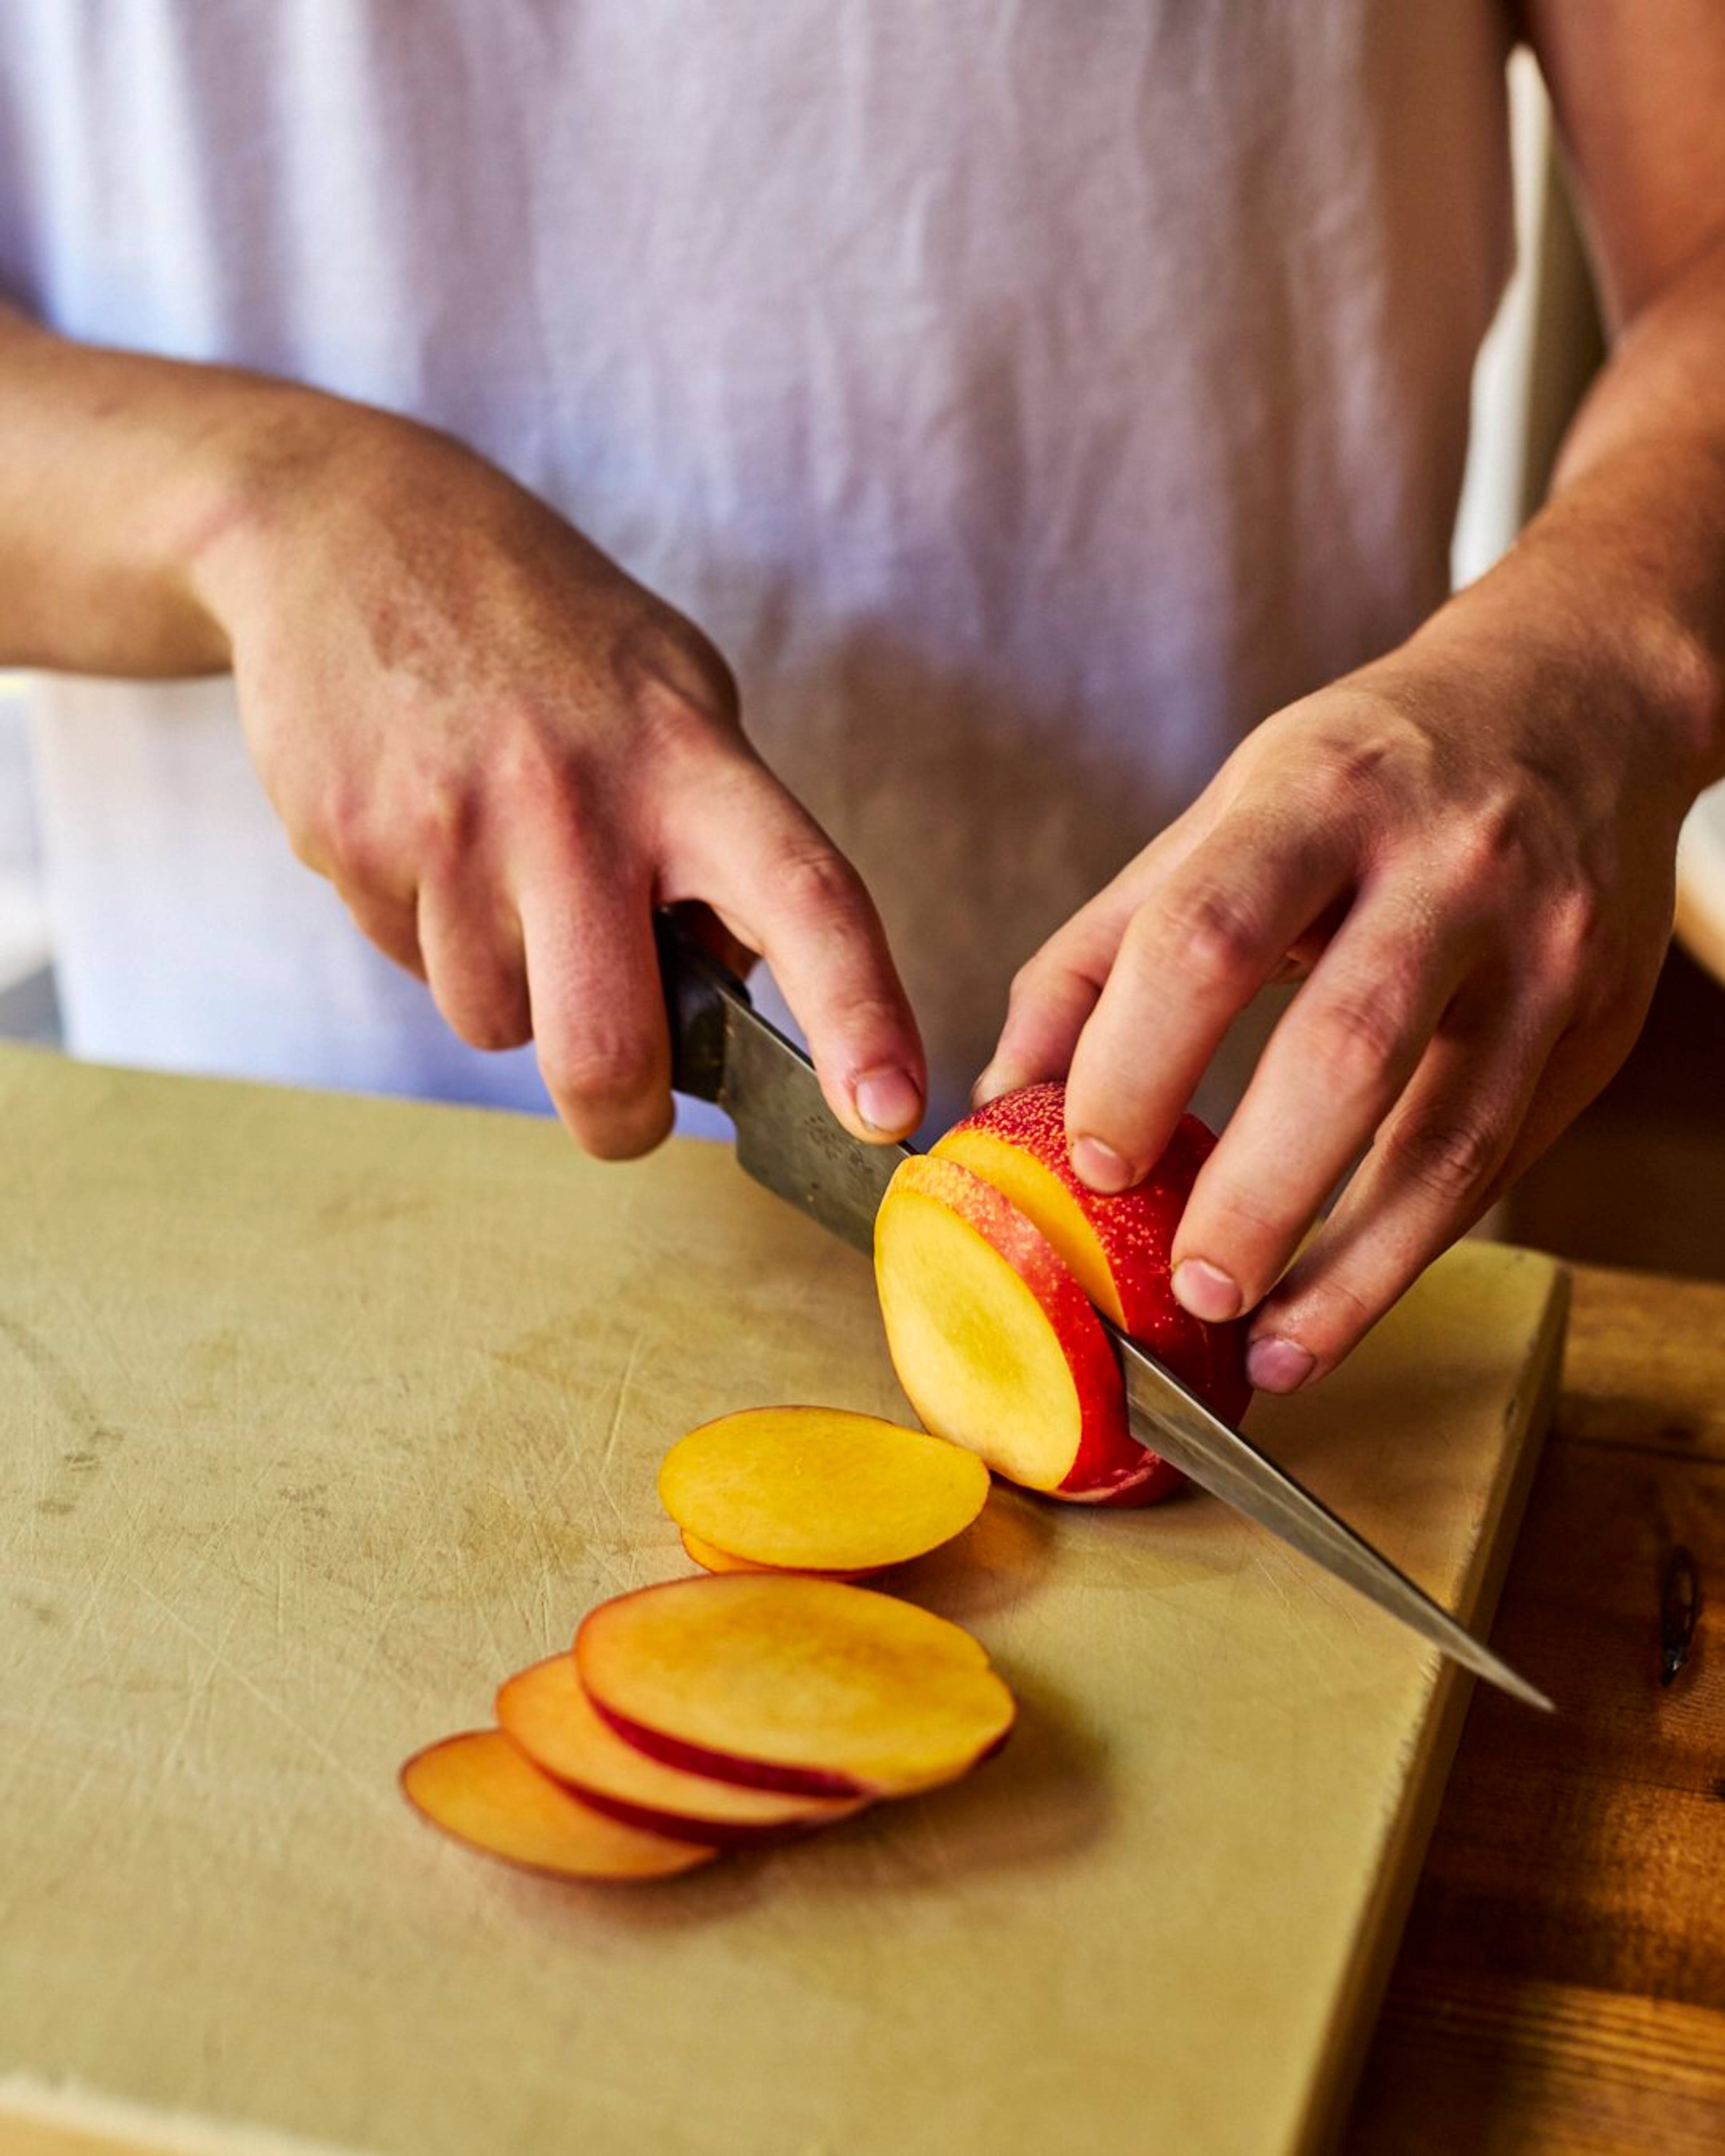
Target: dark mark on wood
x,y
1679,1605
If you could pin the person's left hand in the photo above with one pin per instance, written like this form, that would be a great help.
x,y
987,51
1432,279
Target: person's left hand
x,y
1469,853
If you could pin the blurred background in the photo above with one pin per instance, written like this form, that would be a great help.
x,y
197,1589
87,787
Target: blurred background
x,y
1640,1180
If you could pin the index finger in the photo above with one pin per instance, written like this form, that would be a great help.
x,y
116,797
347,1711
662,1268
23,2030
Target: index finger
x,y
776,879
1192,957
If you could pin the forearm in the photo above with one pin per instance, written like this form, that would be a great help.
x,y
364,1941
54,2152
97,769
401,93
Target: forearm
x,y
118,474
1616,589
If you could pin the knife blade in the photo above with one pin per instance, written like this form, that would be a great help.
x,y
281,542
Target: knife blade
x,y
724,1051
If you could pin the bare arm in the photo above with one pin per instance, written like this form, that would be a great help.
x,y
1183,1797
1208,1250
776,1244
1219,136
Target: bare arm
x,y
503,750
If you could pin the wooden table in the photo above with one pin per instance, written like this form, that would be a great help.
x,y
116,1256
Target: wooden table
x,y
1561,1984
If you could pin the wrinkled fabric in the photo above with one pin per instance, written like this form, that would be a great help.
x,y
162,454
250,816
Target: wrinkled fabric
x,y
1027,396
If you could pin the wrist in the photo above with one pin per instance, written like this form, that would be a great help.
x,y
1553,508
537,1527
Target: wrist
x,y
269,453
1594,653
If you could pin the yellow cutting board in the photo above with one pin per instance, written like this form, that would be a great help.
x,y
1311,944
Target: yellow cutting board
x,y
319,1416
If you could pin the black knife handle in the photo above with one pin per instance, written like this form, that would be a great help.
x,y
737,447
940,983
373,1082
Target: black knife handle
x,y
697,987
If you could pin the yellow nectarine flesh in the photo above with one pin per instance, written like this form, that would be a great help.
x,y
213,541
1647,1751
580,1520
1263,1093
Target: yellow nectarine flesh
x,y
711,1558
783,1682
819,1490
1040,1195
480,1789
550,1716
994,1342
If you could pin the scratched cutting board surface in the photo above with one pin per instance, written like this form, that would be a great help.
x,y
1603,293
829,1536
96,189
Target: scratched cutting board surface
x,y
319,1416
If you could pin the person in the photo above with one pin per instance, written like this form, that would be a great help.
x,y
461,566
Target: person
x,y
1055,414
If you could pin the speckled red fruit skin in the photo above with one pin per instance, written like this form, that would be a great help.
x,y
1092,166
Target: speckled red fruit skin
x,y
1136,1231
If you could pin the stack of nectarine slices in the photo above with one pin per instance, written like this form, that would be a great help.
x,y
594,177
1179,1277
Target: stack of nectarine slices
x,y
817,1490
989,1254
708,1714
483,1789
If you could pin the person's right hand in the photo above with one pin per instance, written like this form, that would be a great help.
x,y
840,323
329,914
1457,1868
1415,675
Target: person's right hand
x,y
503,753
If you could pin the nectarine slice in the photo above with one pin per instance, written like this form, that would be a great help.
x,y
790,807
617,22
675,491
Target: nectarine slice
x,y
483,1790
788,1683
995,1342
711,1558
1119,1246
820,1489
548,1713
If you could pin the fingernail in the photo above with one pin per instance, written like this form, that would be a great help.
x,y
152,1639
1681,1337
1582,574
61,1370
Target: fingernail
x,y
989,1086
889,1102
1206,1290
1100,1166
1278,1366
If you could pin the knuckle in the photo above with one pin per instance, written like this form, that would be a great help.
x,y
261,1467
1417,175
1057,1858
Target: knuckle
x,y
1208,931
1342,775
1576,921
1450,1159
1031,984
344,835
812,882
445,821
1357,1036
493,1028
530,770
679,687
602,1076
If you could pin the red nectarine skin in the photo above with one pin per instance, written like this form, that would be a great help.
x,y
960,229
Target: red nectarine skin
x,y
550,1716
722,1766
1134,1230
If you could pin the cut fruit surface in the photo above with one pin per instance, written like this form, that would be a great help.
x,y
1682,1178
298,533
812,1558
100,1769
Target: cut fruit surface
x,y
796,1684
482,1790
1119,1246
995,1342
819,1490
550,1716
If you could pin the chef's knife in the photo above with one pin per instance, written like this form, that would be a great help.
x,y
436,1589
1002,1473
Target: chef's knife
x,y
724,1051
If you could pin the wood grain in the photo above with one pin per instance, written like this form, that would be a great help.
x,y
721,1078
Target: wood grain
x,y
1561,1984
318,1416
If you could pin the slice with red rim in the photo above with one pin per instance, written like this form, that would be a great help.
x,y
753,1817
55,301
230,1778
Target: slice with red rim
x,y
782,1682
483,1790
550,1716
996,1343
1117,1246
821,1490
